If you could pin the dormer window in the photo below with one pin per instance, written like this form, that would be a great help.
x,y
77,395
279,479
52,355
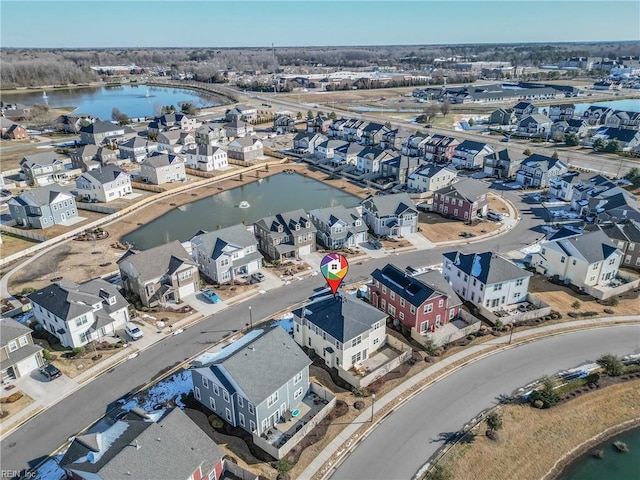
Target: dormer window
x,y
280,228
297,226
97,306
112,300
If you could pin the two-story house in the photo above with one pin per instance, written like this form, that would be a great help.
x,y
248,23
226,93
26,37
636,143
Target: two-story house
x,y
284,123
238,128
306,142
319,124
440,148
522,109
159,275
144,445
137,149
207,158
286,235
421,303
173,121
470,155
563,111
485,278
348,153
590,259
175,141
339,227
503,164
88,157
622,119
502,116
370,159
431,177
241,112
104,184
463,200
226,254
43,168
595,115
18,354
537,170
400,167
393,215
80,313
245,148
99,133
327,149
211,134
536,125
43,207
626,237
341,329
254,381
162,168
414,145
562,187
373,133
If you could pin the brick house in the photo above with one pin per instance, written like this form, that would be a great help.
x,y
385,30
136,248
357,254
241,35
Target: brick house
x,y
463,200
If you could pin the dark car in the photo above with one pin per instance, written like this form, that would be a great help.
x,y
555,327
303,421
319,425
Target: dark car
x,y
258,277
50,372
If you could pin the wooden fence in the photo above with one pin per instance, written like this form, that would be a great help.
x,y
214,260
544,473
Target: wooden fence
x,y
148,187
93,207
18,232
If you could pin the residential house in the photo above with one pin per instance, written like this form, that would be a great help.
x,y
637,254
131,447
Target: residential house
x,y
486,278
72,123
537,170
353,129
161,275
253,382
104,184
173,447
400,167
341,329
327,149
173,121
238,128
137,149
99,133
247,149
19,356
373,133
336,129
5,124
393,215
440,148
241,112
595,115
628,139
538,125
88,157
347,154
564,111
207,158
339,227
211,134
14,111
422,303
226,254
43,207
502,116
175,141
394,139
319,124
284,123
622,119
470,155
523,109
162,168
414,145
286,235
571,126
463,200
15,132
305,142
590,259
503,164
625,236
615,204
370,159
431,177
79,313
562,187
43,168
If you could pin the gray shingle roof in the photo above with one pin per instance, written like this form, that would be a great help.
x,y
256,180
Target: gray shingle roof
x,y
10,330
100,126
389,205
287,220
343,316
591,247
214,242
468,188
136,142
104,174
161,160
158,261
41,196
332,215
245,141
46,158
542,162
487,267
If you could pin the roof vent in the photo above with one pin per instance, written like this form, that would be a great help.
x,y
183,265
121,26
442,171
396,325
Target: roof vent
x,y
252,348
158,439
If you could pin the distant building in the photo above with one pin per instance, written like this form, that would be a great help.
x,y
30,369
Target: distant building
x,y
99,133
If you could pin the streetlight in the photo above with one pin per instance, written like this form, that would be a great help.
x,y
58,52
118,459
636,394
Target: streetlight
x,y
250,318
373,402
513,327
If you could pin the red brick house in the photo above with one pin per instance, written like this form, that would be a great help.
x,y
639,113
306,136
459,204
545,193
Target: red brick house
x,y
15,132
440,148
463,200
421,303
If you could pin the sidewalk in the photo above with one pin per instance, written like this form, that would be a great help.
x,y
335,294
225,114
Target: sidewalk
x,y
335,453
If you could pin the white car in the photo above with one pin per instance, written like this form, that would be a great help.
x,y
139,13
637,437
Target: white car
x,y
133,331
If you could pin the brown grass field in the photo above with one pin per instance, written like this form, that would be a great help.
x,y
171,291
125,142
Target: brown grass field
x,y
533,440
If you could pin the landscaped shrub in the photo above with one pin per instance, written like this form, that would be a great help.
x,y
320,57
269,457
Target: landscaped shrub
x,y
573,314
12,398
46,354
27,290
611,364
589,314
215,421
608,311
360,392
78,350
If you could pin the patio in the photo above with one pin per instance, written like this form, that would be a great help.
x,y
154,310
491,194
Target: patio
x,y
375,361
282,432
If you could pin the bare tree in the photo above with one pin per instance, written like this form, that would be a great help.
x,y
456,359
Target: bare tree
x,y
445,107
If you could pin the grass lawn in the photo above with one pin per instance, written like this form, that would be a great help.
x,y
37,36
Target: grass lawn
x,y
12,244
533,440
12,408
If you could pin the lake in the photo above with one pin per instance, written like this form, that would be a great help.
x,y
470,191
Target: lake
x,y
614,465
628,105
134,100
269,196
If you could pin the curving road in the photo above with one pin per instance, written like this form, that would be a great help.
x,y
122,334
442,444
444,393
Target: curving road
x,y
403,442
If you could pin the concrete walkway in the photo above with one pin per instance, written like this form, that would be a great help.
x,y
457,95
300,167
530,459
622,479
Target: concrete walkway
x,y
334,453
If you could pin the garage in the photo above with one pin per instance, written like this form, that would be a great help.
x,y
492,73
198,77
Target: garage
x,y
29,364
187,290
306,250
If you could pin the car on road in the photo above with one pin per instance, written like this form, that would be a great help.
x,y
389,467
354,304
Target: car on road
x,y
50,372
133,331
211,296
506,139
258,277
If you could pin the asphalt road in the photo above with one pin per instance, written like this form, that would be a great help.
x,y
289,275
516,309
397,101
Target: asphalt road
x,y
36,439
405,440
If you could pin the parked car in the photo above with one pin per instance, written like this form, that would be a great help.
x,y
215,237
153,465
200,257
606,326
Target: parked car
x,y
375,243
50,372
258,277
211,296
133,331
493,215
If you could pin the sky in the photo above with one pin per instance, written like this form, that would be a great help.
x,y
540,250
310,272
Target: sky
x,y
238,23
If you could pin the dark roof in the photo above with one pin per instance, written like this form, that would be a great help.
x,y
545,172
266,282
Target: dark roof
x,y
100,126
541,162
471,147
287,220
344,317
468,188
215,242
621,134
487,267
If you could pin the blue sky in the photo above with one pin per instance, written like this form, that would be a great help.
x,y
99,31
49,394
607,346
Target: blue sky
x,y
159,23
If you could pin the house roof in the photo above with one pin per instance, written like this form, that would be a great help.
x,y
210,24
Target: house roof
x,y
236,123
68,300
591,247
41,196
105,174
468,188
10,330
469,146
261,366
344,317
332,215
487,267
100,126
158,261
287,220
87,151
522,105
389,205
507,155
536,117
204,150
335,144
136,142
542,162
430,170
172,448
245,141
161,160
45,158
624,135
215,243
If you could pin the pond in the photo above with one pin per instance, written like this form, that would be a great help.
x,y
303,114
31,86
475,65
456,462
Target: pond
x,y
134,100
269,196
628,105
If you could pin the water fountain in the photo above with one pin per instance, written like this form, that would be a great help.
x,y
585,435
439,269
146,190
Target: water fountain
x,y
147,94
44,95
244,204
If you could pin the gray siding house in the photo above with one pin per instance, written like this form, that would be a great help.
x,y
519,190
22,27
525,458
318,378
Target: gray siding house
x,y
162,168
100,132
43,207
286,235
18,354
394,215
538,170
254,381
43,168
339,227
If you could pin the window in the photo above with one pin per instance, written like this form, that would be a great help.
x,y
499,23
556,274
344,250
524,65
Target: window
x,y
543,251
227,414
225,395
196,392
298,392
452,313
216,390
250,406
23,341
356,358
212,403
402,302
272,399
13,346
519,282
298,327
185,275
497,286
401,315
356,341
441,303
428,308
562,259
632,246
376,325
612,261
412,309
574,262
224,262
81,320
392,295
252,425
241,416
392,310
297,378
384,289
205,382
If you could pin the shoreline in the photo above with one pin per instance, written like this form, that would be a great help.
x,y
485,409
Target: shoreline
x,y
570,458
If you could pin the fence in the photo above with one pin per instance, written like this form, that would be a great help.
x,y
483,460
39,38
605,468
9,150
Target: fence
x,y
602,293
238,471
200,173
148,187
279,453
18,232
95,208
450,332
382,370
541,310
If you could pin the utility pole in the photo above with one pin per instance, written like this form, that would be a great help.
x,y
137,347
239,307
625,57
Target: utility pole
x,y
513,327
373,402
250,318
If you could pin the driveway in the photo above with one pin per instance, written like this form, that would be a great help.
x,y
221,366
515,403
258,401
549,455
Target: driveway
x,y
43,391
202,305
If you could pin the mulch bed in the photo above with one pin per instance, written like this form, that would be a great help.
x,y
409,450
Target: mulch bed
x,y
603,382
